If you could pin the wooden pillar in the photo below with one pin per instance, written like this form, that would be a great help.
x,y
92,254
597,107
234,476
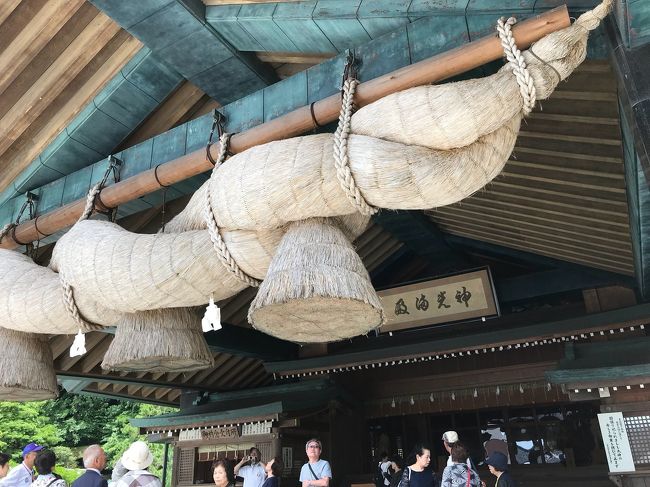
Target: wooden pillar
x,y
276,443
347,433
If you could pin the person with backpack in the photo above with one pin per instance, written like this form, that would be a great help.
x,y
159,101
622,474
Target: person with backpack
x,y
460,473
419,474
45,462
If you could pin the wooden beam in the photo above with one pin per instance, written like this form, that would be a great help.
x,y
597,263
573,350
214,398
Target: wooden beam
x,y
436,68
254,379
60,344
127,381
95,356
173,395
227,379
160,393
92,390
66,362
6,8
294,57
223,370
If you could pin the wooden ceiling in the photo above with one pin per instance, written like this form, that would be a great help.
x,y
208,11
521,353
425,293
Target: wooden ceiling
x,y
562,193
56,56
229,372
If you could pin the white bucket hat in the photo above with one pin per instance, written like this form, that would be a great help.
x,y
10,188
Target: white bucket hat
x,y
137,456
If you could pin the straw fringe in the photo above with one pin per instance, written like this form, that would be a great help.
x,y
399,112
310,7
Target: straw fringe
x,y
26,367
314,273
167,340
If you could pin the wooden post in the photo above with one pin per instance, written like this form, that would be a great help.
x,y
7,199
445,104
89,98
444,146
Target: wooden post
x,y
430,70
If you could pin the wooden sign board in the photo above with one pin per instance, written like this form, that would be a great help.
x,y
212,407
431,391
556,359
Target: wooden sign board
x,y
453,298
220,433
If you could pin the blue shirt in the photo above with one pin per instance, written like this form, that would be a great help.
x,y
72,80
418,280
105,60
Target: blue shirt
x,y
321,468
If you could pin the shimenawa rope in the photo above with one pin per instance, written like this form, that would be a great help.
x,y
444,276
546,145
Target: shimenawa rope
x,y
218,243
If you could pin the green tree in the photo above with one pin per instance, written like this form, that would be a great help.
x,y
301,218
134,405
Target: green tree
x,y
84,420
21,423
72,422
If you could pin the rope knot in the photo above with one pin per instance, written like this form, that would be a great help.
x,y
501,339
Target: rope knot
x,y
518,64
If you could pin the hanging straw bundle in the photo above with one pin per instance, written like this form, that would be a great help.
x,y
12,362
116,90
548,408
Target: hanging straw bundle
x,y
165,340
26,367
316,277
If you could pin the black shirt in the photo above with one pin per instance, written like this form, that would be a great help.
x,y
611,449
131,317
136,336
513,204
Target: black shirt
x,y
271,482
505,480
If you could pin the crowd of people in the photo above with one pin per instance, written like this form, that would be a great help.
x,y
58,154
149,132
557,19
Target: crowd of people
x,y
315,473
129,471
460,471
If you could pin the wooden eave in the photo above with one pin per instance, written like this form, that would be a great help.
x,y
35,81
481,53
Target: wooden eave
x,y
537,335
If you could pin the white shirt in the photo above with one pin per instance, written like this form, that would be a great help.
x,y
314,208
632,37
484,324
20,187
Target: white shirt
x,y
253,475
384,469
19,476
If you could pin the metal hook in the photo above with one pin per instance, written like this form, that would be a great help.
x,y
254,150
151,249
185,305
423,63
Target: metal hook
x,y
350,70
219,123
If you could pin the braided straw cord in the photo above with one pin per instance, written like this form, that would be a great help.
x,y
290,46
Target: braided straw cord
x,y
71,307
341,157
218,243
516,60
90,202
5,230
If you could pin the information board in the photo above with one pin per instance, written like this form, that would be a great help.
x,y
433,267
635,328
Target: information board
x,y
617,444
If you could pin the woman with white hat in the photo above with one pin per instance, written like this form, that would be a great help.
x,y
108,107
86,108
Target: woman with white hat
x,y
136,459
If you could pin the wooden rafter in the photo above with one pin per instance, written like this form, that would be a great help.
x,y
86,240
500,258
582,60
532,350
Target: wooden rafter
x,y
293,57
58,58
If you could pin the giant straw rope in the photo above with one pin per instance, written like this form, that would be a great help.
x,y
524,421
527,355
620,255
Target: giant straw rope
x,y
433,146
